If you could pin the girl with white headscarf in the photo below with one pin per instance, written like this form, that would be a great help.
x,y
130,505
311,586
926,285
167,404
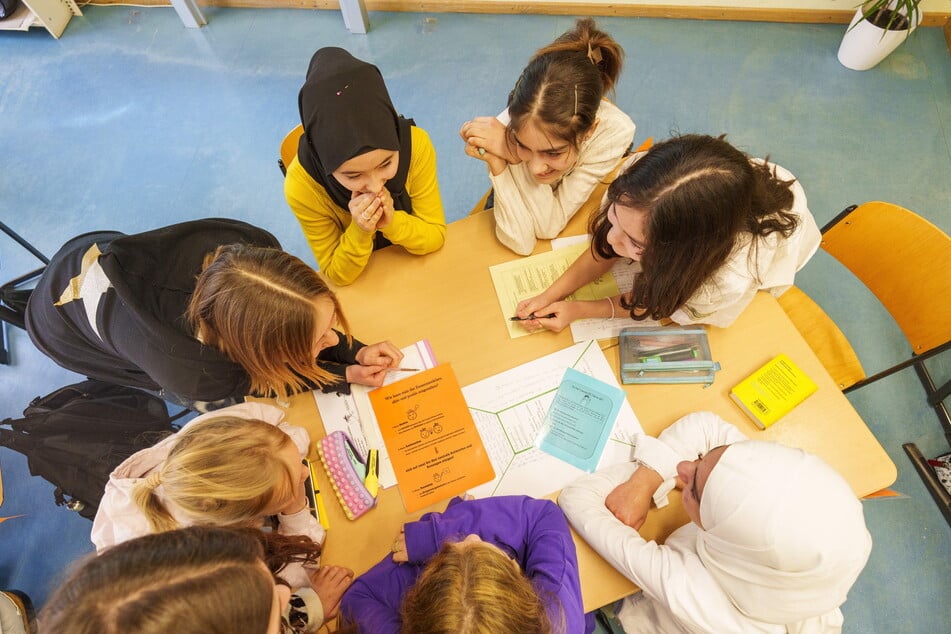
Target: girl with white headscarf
x,y
776,541
364,177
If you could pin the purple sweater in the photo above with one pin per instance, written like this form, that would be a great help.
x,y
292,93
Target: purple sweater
x,y
534,532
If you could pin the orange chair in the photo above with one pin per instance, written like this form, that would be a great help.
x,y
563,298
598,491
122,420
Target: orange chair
x,y
289,148
904,260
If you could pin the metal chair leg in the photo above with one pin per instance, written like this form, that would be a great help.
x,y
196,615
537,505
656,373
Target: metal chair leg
x,y
941,496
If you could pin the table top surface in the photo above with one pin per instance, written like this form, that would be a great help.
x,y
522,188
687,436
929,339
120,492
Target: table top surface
x,y
448,298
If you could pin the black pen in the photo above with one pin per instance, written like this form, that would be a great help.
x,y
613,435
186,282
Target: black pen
x,y
532,316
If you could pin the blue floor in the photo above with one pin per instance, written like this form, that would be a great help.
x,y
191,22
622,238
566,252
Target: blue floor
x,y
131,121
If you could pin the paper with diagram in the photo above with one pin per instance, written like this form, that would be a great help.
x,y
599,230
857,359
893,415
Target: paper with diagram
x,y
509,410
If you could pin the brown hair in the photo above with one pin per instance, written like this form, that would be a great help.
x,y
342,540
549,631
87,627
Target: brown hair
x,y
190,581
473,589
256,305
562,86
222,471
701,195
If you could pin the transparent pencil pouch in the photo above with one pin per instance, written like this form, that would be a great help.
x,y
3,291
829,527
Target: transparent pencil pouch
x,y
671,354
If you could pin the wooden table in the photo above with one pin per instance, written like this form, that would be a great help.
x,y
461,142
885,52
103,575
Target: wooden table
x,y
448,298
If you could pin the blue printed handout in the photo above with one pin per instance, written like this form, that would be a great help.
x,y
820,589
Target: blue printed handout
x,y
580,420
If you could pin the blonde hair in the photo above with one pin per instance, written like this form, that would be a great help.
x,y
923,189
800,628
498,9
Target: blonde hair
x,y
256,305
222,471
190,581
473,589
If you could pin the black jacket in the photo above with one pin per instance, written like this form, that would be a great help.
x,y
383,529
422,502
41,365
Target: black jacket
x,y
143,339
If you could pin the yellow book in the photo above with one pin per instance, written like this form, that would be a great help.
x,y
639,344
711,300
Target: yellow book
x,y
772,391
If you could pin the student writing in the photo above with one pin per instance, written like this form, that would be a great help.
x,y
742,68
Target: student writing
x,y
231,467
707,228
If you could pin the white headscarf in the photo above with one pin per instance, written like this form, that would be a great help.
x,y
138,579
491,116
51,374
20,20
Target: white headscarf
x,y
783,534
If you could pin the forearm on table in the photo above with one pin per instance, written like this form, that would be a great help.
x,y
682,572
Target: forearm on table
x,y
419,235
620,545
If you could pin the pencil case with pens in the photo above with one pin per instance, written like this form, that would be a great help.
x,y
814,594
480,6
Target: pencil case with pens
x,y
347,469
671,354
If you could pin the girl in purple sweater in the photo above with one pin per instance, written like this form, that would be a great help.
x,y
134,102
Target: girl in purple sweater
x,y
500,564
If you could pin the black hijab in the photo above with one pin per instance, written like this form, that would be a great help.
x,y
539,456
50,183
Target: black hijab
x,y
346,111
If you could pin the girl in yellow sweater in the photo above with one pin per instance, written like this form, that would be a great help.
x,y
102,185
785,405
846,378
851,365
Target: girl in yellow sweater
x,y
364,177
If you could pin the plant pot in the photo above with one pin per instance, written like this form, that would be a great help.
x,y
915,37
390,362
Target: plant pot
x,y
864,45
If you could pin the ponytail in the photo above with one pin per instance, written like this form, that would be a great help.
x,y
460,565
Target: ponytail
x,y
561,88
144,496
223,471
597,46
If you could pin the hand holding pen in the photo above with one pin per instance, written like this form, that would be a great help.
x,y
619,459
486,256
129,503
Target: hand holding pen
x,y
372,364
535,314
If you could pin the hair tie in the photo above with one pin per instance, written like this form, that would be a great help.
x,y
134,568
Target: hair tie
x,y
594,54
154,479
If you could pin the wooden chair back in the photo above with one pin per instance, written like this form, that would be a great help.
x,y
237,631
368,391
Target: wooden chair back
x,y
289,146
904,260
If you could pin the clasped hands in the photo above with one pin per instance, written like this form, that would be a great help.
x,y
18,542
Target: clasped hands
x,y
371,212
374,362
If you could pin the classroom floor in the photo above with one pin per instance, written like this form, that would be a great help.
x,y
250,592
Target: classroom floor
x,y
130,122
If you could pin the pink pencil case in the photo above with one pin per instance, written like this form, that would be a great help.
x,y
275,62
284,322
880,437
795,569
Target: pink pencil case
x,y
346,469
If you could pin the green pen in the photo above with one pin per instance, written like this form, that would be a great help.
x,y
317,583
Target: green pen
x,y
673,353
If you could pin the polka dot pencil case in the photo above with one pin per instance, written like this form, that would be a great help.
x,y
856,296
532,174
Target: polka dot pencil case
x,y
346,469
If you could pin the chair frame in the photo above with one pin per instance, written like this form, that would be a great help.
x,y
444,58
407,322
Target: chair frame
x,y
7,315
936,395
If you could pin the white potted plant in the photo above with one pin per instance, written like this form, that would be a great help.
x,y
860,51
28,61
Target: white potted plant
x,y
877,29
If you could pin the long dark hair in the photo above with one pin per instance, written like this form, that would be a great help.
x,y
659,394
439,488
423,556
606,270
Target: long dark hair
x,y
701,194
562,86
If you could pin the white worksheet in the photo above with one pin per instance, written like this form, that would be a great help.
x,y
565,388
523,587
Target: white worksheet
x,y
509,410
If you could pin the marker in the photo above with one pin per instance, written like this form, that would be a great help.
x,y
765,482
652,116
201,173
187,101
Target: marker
x,y
673,353
322,516
372,481
533,316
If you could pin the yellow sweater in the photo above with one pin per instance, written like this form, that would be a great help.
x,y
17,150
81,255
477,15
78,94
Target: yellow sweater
x,y
341,247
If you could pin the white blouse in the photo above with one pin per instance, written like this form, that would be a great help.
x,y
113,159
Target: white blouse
x,y
526,210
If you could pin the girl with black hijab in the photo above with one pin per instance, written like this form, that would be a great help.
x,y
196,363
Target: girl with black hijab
x,y
364,177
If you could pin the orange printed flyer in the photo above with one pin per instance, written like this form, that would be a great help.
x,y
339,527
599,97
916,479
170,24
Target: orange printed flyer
x,y
433,442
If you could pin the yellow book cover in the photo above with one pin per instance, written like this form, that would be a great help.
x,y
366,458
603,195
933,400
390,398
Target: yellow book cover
x,y
772,391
